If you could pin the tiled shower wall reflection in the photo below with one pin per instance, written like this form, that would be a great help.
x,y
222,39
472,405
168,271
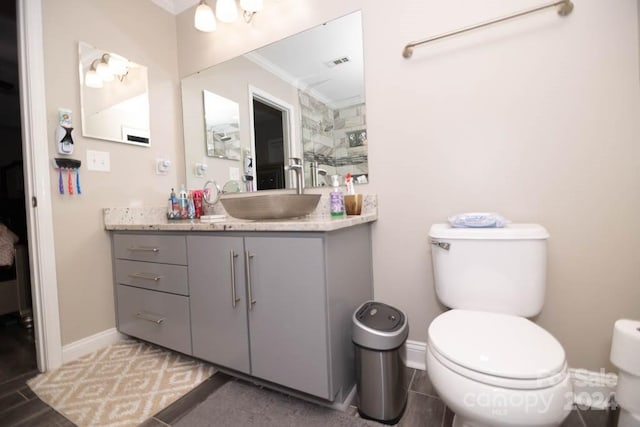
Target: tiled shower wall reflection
x,y
333,137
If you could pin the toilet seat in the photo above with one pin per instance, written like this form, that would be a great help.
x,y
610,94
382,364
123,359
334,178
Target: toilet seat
x,y
497,349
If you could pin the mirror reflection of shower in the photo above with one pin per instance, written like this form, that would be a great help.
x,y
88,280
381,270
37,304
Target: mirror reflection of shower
x,y
222,126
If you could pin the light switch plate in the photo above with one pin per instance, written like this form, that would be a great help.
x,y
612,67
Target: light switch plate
x,y
98,161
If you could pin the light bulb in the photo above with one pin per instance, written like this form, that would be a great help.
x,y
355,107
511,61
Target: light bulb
x,y
251,5
226,10
92,79
117,64
204,19
103,71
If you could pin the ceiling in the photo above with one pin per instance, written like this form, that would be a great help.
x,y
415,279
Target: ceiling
x,y
325,60
177,6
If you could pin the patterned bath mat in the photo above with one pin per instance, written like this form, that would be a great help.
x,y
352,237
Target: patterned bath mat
x,y
121,385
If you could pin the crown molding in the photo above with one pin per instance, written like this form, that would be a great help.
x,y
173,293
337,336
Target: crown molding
x,y
175,7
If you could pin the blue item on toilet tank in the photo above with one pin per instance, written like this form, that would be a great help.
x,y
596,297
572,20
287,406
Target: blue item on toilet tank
x,y
477,220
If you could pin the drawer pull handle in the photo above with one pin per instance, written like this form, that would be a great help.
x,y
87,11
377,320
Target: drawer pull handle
x,y
232,258
150,318
144,249
145,276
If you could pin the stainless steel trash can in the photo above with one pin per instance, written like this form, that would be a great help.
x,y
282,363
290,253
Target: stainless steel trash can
x,y
379,331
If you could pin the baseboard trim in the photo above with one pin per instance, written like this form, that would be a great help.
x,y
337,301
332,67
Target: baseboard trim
x,y
90,344
414,354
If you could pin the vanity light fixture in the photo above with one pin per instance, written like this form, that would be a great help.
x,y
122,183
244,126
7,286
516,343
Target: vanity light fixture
x,y
106,69
103,70
226,11
118,65
91,78
204,19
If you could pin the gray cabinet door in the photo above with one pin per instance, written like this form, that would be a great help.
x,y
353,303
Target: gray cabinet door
x,y
288,321
218,321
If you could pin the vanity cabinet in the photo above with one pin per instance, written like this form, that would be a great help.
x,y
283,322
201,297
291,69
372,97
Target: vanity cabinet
x,y
151,287
278,306
272,305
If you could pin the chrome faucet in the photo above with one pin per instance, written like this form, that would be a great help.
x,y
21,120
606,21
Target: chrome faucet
x,y
296,166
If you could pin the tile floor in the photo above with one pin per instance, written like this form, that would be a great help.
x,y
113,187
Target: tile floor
x,y
19,406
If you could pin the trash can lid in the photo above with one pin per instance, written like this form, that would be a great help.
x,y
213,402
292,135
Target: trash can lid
x,y
379,316
379,326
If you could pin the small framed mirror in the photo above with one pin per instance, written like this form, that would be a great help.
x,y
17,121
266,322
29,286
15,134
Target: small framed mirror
x,y
114,97
222,126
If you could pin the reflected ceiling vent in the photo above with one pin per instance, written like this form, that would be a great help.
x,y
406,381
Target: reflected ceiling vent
x,y
337,61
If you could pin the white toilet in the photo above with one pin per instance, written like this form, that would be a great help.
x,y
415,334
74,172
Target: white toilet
x,y
489,363
625,355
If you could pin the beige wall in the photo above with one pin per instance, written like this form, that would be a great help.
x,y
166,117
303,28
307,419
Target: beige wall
x,y
537,119
145,34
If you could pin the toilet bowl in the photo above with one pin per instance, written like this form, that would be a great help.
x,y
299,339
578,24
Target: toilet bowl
x,y
495,369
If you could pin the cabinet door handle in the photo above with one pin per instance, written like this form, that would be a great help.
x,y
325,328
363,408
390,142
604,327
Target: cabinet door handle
x,y
232,262
150,318
144,249
247,266
146,276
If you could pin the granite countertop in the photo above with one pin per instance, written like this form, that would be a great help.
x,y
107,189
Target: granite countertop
x,y
154,219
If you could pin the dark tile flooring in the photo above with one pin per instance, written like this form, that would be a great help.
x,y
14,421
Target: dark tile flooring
x,y
19,406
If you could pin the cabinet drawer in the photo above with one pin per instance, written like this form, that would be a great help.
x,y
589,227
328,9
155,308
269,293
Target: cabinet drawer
x,y
149,275
154,248
156,317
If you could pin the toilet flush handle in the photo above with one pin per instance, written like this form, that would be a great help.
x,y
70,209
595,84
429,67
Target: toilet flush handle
x,y
443,245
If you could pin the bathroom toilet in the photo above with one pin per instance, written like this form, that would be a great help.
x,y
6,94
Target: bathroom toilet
x,y
489,363
625,355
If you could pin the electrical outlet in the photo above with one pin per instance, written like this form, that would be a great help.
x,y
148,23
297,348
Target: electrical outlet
x,y
98,161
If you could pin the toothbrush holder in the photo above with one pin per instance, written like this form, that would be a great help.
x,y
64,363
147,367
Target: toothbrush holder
x,y
353,204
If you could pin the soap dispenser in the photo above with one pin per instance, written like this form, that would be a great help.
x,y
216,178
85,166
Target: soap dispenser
x,y
336,198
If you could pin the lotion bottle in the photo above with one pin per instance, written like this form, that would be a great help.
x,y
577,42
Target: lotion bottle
x,y
183,202
336,198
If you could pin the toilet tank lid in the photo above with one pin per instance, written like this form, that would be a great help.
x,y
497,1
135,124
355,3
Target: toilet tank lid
x,y
509,232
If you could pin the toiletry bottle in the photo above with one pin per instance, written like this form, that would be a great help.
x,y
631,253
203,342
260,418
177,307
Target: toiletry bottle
x,y
191,207
197,202
175,207
336,199
170,206
184,203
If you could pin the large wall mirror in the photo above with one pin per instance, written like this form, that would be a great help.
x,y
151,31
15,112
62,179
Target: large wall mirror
x,y
302,96
114,97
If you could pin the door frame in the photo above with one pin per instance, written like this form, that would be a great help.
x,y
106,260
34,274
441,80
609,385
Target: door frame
x,y
35,149
288,129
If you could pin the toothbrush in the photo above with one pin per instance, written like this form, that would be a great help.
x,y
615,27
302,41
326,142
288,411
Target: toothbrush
x,y
60,182
69,181
78,181
349,181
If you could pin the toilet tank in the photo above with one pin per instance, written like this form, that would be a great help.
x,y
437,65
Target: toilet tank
x,y
501,270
